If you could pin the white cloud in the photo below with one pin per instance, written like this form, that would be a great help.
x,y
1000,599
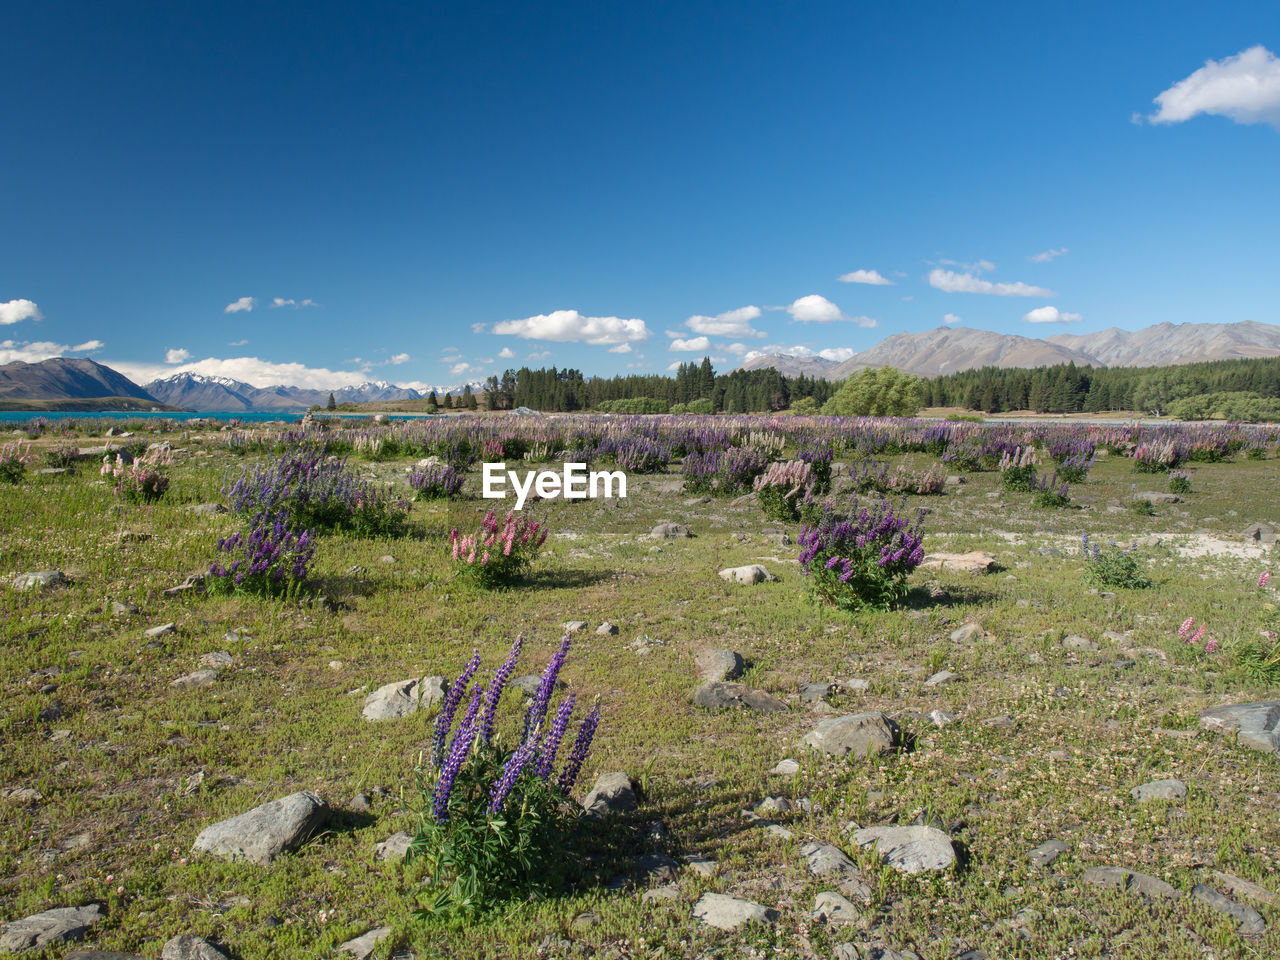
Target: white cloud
x,y
22,351
838,354
539,355
458,369
237,343
281,302
691,345
1051,315
506,353
1245,87
979,266
399,358
737,349
871,277
479,327
674,365
731,323
950,318
565,326
177,356
15,311
951,282
244,304
818,309
1047,255
621,348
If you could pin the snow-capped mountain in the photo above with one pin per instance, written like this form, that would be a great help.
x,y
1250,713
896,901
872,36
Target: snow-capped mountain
x,y
194,391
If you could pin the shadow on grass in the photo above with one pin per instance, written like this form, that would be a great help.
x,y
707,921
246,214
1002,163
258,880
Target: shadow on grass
x,y
922,598
565,579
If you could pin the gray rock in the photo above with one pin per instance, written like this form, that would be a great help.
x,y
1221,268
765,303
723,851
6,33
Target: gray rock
x,y
941,677
1049,851
716,665
613,792
1128,880
785,768
670,531
119,609
828,860
100,955
1156,496
940,718
1260,533
190,947
161,631
1248,920
394,847
207,509
217,660
754,573
777,831
833,908
59,925
200,678
261,834
702,866
657,866
529,683
607,629
815,692
729,913
575,626
39,580
723,696
913,849
858,735
403,697
1256,725
963,634
773,807
1078,643
363,945
1160,790
666,893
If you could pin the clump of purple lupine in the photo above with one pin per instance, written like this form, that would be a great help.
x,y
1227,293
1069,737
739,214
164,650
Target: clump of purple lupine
x,y
868,475
270,560
723,472
1050,492
862,560
436,482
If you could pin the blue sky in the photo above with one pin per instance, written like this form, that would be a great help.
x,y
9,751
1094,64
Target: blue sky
x,y
445,190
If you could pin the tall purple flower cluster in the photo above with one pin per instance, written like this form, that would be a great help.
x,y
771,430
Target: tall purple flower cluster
x,y
436,483
494,693
862,560
271,559
444,722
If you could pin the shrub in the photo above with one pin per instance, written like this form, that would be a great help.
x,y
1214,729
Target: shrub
x,y
882,392
1142,507
13,462
723,473
496,825
271,560
1179,482
318,493
805,407
862,561
1260,658
1018,469
62,456
436,483
1157,456
498,553
780,488
1111,566
140,481
1048,492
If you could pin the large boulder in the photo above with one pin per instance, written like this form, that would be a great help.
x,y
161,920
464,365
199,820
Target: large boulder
x,y
753,573
59,925
260,835
404,697
716,665
729,913
857,734
1255,725
188,946
612,793
914,849
723,695
39,580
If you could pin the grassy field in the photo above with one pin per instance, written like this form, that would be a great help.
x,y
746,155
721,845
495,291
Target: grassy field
x,y
1047,742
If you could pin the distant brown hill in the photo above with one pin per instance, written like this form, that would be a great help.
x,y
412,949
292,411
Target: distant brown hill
x,y
66,378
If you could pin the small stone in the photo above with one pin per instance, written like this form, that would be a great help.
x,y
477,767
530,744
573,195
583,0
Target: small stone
x,y
914,849
22,794
262,833
394,847
702,866
773,807
941,677
828,860
575,626
664,894
815,692
716,665
754,573
200,678
1160,790
205,508
403,697
190,947
530,682
607,629
657,866
858,735
940,718
363,946
360,803
977,561
387,559
778,832
59,925
785,768
1121,879
670,531
1078,643
970,631
722,696
1249,921
119,609
1049,851
161,631
833,908
613,792
218,660
39,580
729,913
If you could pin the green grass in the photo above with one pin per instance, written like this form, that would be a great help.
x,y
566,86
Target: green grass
x,y
1083,727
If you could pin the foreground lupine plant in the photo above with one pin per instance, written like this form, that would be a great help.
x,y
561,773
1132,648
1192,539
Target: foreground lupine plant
x,y
863,560
140,481
782,486
270,560
436,483
497,824
1111,567
13,461
499,553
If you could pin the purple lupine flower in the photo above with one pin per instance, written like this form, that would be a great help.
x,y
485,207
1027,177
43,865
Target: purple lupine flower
x,y
542,698
551,745
469,718
458,751
450,706
500,678
511,771
572,766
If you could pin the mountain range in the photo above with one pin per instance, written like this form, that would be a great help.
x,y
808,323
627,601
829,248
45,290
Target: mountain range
x,y
196,392
951,349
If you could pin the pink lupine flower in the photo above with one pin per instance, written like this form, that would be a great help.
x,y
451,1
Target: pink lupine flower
x,y
1198,635
1187,624
1212,645
1264,579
